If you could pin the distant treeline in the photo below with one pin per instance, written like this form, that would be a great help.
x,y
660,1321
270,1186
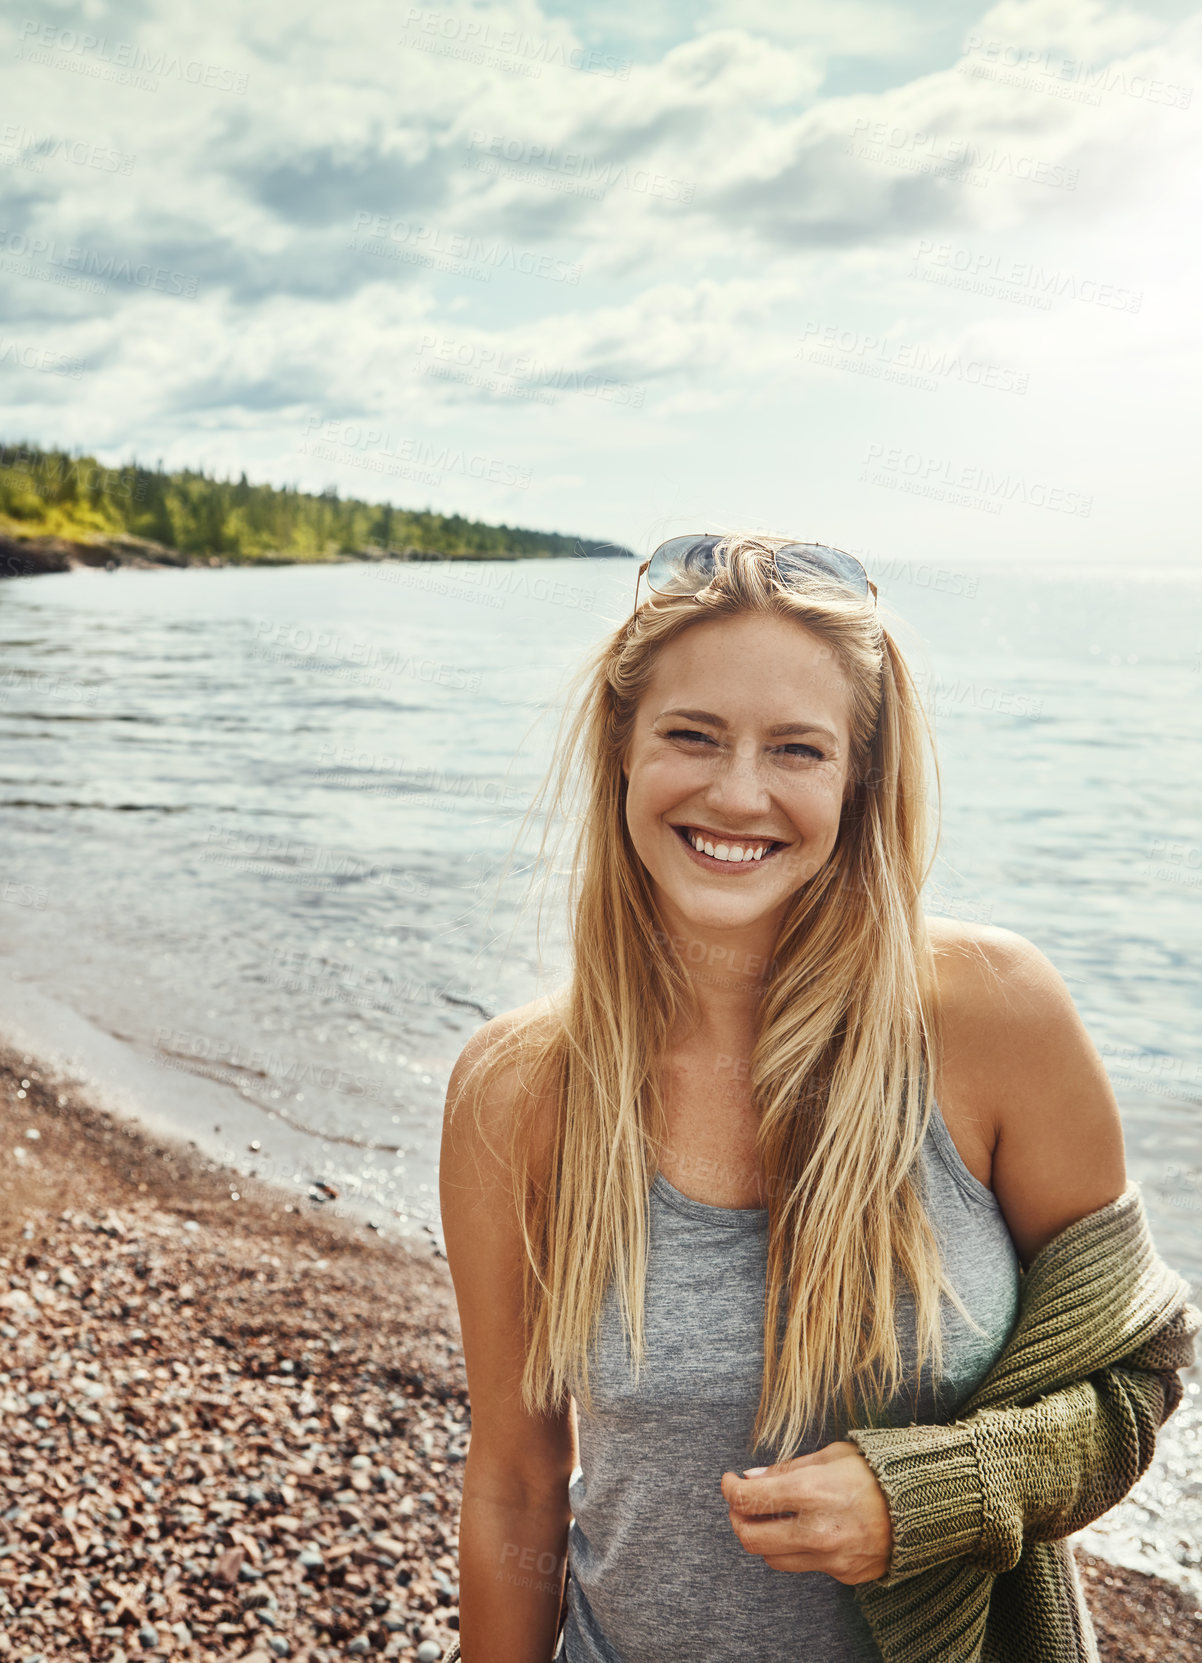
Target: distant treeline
x,y
52,492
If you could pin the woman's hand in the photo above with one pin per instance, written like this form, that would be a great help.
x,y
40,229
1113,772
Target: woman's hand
x,y
835,1516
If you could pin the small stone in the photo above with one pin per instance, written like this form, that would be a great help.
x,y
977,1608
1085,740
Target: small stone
x,y
359,1646
148,1637
311,1560
279,1646
228,1566
429,1652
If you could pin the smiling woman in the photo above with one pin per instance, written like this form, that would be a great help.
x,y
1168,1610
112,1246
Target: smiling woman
x,y
760,1182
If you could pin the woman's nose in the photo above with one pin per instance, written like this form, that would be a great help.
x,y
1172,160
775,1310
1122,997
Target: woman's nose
x,y
740,784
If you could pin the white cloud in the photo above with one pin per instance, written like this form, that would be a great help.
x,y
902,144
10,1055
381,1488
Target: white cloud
x,y
1078,28
640,245
846,28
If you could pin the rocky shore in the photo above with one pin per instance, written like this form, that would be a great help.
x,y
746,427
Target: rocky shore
x,y
235,1429
230,1428
34,555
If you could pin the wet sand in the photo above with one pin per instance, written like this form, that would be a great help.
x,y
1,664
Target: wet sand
x,y
236,1427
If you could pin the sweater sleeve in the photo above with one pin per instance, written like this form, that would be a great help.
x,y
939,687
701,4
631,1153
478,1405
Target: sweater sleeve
x,y
982,1487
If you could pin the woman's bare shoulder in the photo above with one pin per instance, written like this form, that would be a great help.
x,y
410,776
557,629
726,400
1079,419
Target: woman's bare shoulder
x,y
504,1048
1016,1047
973,957
534,1021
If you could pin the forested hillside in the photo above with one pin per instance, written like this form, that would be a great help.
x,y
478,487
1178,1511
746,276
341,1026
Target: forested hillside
x,y
50,492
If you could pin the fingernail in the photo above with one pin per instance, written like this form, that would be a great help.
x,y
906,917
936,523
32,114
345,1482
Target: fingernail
x,y
753,1472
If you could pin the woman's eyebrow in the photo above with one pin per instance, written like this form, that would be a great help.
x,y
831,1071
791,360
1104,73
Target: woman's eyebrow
x,y
777,732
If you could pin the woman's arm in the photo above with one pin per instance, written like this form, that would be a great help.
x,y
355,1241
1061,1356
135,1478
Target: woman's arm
x,y
515,1513
982,1488
1016,1050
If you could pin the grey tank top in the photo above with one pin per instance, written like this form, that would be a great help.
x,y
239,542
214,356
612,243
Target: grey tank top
x,y
656,1573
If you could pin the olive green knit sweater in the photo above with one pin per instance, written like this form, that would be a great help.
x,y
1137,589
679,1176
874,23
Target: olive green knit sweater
x,y
1057,1433
1059,1430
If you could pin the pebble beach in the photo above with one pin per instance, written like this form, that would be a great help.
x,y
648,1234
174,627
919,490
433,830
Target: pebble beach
x,y
230,1428
234,1425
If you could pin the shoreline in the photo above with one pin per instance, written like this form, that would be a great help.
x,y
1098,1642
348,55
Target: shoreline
x,y
236,1428
44,552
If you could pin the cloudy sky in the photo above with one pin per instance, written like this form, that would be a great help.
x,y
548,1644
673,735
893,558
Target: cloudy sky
x,y
910,279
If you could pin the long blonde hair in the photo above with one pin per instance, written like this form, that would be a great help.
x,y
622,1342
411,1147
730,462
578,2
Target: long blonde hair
x,y
840,1071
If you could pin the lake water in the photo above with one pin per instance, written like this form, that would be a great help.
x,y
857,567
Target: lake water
x,y
255,821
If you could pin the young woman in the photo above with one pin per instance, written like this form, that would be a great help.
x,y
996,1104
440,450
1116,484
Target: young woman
x,y
767,1168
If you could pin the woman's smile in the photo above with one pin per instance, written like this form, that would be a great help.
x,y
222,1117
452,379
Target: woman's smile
x,y
726,851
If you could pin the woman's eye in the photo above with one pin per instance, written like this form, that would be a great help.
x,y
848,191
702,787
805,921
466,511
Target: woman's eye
x,y
804,753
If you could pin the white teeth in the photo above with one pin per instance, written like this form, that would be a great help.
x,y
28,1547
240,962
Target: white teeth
x,y
728,851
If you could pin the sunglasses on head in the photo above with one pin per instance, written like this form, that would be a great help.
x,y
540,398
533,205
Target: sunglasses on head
x,y
686,565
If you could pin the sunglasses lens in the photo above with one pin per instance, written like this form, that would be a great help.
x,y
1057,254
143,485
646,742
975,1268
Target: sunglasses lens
x,y
799,558
682,566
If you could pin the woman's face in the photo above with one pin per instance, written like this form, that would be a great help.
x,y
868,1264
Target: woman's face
x,y
741,741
